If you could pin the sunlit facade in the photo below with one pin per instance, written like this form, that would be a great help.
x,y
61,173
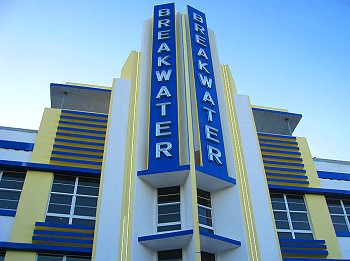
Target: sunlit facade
x,y
168,163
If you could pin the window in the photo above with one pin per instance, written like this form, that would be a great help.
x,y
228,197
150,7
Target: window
x,y
73,200
170,255
291,216
340,214
205,256
11,184
2,256
61,258
168,201
204,211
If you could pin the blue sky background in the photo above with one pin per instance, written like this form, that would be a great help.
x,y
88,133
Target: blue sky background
x,y
290,54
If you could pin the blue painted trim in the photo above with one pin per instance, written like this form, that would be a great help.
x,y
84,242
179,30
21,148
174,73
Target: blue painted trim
x,y
83,124
278,141
278,112
101,115
165,235
304,252
82,119
221,238
276,135
286,169
41,248
150,172
286,175
55,225
7,212
57,146
279,146
282,158
308,246
80,142
24,166
333,175
288,181
39,232
312,259
220,177
76,154
281,152
303,241
81,130
63,240
77,161
80,136
16,145
335,193
343,234
79,87
283,163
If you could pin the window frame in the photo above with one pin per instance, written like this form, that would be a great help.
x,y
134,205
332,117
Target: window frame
x,y
173,203
11,190
63,257
288,213
73,204
344,214
206,228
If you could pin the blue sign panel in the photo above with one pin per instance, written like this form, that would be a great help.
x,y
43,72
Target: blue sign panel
x,y
213,159
163,136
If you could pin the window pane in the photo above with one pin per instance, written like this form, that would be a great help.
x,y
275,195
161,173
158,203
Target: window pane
x,y
85,211
170,255
299,217
277,197
11,184
168,228
83,222
203,194
77,258
168,199
295,199
204,212
59,209
82,190
61,199
278,205
333,202
341,228
175,208
205,256
304,236
64,180
205,221
285,235
91,182
338,219
10,195
8,204
85,201
204,202
57,220
296,207
62,188
301,225
335,209
282,225
205,229
167,218
49,258
280,215
169,190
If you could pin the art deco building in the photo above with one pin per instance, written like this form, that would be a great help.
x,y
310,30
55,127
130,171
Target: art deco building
x,y
168,163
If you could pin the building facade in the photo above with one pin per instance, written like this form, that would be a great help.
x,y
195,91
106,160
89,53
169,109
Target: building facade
x,y
168,163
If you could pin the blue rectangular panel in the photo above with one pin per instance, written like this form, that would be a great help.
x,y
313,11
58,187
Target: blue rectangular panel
x,y
163,135
209,121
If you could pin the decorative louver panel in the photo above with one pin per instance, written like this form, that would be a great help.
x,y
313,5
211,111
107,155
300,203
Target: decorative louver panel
x,y
282,160
80,139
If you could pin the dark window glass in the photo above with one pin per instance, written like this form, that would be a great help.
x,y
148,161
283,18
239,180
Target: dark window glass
x,y
170,255
205,256
168,228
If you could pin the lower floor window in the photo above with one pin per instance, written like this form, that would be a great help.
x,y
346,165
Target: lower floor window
x,y
61,258
340,213
2,256
291,216
205,256
205,211
168,205
170,255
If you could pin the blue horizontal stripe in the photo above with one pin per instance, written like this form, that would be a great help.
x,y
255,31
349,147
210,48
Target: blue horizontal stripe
x,y
343,234
277,112
16,145
56,225
82,124
220,238
281,152
302,246
279,146
39,232
43,248
288,181
57,146
80,142
77,161
278,141
334,193
286,169
63,240
82,119
76,154
80,136
24,166
79,87
283,163
304,252
276,136
81,130
286,175
7,212
282,158
303,241
333,175
165,235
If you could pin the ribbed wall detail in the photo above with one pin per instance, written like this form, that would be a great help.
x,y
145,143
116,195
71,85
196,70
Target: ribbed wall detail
x,y
282,160
79,139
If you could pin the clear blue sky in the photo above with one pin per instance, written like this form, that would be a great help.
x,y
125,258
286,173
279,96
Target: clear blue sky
x,y
291,54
